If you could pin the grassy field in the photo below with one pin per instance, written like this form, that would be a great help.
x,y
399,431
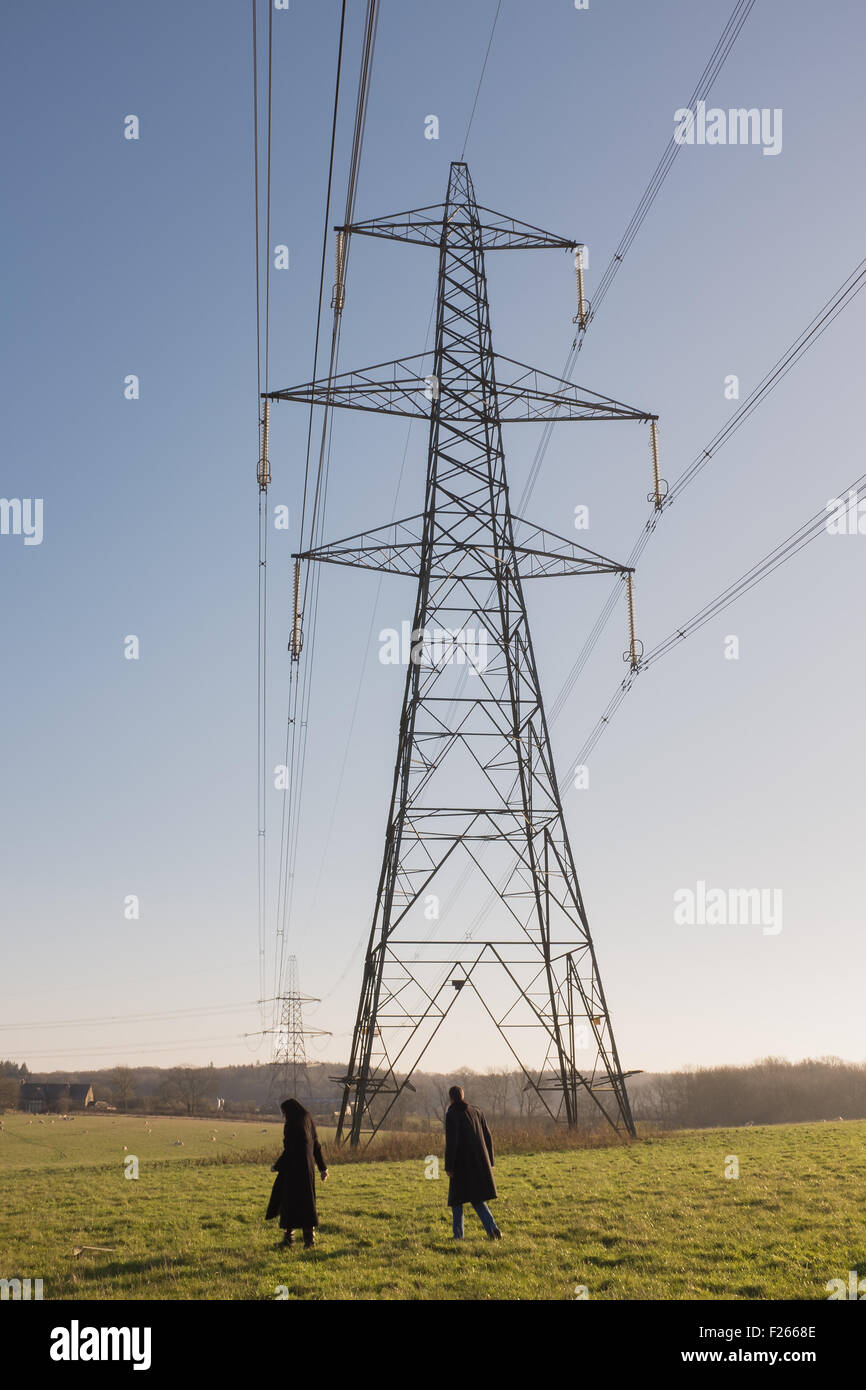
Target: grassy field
x,y
655,1219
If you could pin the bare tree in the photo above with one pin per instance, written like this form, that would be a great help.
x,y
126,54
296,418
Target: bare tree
x,y
498,1084
190,1086
121,1083
529,1103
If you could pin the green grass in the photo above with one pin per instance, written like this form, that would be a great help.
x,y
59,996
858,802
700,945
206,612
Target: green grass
x,y
34,1141
655,1219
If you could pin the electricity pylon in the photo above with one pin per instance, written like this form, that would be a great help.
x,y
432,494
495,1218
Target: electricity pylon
x,y
475,799
289,1076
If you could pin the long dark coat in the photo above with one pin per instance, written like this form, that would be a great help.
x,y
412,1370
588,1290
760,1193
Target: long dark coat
x,y
468,1155
293,1196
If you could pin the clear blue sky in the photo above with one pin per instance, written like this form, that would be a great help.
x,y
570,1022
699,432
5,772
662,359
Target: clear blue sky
x,y
139,777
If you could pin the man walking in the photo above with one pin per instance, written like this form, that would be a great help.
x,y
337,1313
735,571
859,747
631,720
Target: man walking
x,y
469,1163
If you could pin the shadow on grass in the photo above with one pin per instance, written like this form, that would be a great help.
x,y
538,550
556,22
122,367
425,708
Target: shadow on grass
x,y
318,1254
166,1265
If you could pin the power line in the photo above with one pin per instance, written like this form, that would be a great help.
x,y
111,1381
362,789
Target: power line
x,y
168,1045
480,80
301,684
72,983
838,301
323,261
263,474
268,199
256,206
712,68
786,550
365,657
292,731
205,1011
831,310
704,85
393,514
702,89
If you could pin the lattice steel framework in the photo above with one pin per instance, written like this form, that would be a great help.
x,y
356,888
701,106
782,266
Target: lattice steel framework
x,y
475,807
289,1075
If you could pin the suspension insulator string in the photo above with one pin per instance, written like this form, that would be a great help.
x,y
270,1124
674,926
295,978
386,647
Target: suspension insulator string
x,y
297,632
581,318
660,487
338,296
635,648
264,468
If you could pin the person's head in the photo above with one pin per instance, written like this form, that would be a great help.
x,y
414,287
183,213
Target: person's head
x,y
294,1112
455,1093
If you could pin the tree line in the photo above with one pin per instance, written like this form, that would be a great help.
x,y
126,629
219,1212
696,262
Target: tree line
x,y
770,1091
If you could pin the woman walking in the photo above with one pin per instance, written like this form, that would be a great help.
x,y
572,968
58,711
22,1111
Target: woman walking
x,y
293,1197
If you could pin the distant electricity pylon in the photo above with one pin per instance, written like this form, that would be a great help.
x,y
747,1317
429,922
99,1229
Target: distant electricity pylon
x,y
289,1076
475,804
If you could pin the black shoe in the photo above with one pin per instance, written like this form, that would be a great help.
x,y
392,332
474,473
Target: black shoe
x,y
495,1235
309,1239
288,1239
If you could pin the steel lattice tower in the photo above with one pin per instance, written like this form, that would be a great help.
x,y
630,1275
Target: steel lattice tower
x,y
475,799
289,1071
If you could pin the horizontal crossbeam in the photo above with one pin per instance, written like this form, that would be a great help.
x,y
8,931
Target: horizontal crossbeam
x,y
496,231
408,387
396,549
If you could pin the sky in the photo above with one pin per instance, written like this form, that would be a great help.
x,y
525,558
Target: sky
x,y
136,778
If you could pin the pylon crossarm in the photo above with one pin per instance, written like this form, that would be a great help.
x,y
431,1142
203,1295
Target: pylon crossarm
x,y
467,941
496,231
537,540
405,387
396,549
388,388
518,379
414,225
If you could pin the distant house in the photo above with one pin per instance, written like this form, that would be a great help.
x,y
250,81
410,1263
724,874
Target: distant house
x,y
32,1098
52,1097
80,1095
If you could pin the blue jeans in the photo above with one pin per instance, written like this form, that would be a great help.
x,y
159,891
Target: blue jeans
x,y
482,1211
